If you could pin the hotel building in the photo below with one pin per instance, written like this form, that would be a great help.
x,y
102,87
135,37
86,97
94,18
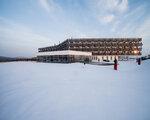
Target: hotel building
x,y
88,49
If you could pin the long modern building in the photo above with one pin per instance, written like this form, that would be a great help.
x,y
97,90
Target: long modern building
x,y
100,49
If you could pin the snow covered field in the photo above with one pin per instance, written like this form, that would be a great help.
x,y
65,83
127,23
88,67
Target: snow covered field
x,y
46,91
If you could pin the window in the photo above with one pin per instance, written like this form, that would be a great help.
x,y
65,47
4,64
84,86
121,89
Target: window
x,y
111,58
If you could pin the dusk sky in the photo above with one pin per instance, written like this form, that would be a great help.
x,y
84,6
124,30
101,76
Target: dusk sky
x,y
26,25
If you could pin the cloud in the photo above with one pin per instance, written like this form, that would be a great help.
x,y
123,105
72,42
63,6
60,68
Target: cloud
x,y
108,10
130,22
49,5
114,5
143,29
107,19
123,6
17,39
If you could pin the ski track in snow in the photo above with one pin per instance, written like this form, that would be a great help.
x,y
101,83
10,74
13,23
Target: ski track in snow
x,y
47,91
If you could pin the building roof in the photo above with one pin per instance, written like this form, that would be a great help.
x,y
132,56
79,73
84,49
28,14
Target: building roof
x,y
105,39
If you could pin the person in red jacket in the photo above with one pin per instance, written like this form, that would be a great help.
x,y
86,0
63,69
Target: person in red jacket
x,y
115,64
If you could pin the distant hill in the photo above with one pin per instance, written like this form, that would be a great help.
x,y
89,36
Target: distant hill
x,y
9,59
6,59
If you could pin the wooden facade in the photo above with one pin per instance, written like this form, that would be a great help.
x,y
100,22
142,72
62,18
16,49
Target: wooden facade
x,y
100,46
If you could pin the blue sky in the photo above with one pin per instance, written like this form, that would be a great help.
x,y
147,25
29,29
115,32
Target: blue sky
x,y
26,25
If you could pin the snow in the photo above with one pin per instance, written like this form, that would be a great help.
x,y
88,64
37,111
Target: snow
x,y
50,91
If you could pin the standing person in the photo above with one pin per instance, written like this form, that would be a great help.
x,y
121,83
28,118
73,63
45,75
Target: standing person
x,y
139,61
84,61
115,64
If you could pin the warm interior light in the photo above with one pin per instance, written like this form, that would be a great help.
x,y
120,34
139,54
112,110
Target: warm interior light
x,y
135,51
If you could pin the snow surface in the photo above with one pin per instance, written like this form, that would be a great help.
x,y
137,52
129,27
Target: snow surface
x,y
46,91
